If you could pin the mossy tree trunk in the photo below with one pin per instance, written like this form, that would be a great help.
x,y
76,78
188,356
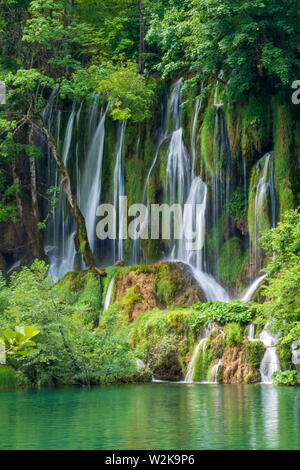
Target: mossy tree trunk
x,y
81,239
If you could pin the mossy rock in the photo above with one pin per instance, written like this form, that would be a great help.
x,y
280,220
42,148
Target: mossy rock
x,y
232,261
82,288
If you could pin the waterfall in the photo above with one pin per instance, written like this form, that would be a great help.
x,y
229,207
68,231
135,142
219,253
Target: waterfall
x,y
214,372
201,344
265,193
62,254
119,190
182,189
252,289
107,300
270,362
251,335
178,159
191,366
90,187
59,238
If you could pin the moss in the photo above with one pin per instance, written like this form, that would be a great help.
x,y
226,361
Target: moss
x,y
208,356
282,135
207,139
232,261
7,377
233,121
83,289
202,365
127,302
255,126
254,351
285,356
234,334
261,220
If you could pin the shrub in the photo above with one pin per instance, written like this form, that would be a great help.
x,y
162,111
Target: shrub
x,y
287,377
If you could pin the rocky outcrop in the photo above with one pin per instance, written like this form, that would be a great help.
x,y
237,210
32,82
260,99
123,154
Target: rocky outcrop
x,y
162,285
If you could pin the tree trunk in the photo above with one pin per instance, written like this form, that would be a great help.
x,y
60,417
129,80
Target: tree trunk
x,y
81,239
142,38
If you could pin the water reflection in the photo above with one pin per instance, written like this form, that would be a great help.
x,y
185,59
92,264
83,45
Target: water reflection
x,y
152,416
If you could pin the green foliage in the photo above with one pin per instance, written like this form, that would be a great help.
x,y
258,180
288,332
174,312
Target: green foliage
x,y
232,260
223,312
283,242
243,38
255,352
234,334
207,139
282,131
127,92
68,350
7,377
282,306
19,340
237,205
286,378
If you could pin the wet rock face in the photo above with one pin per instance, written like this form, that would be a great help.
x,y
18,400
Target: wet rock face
x,y
162,285
168,367
234,367
143,284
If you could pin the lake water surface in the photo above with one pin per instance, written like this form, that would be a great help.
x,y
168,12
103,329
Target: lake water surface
x,y
152,416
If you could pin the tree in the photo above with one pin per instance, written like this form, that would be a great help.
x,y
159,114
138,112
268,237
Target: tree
x,y
19,340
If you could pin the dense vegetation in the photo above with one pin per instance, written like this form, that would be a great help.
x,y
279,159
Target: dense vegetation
x,y
244,53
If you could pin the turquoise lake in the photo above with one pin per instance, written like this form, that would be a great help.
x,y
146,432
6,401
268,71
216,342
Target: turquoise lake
x,y
152,416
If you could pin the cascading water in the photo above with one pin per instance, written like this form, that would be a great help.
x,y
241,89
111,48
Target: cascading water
x,y
197,108
270,362
264,197
201,344
91,178
252,289
191,366
62,253
213,378
107,300
251,335
119,191
214,372
181,190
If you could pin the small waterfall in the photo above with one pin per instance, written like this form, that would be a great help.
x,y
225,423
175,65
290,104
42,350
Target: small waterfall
x,y
251,335
178,169
252,289
202,344
214,372
107,300
191,366
119,190
264,195
270,362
